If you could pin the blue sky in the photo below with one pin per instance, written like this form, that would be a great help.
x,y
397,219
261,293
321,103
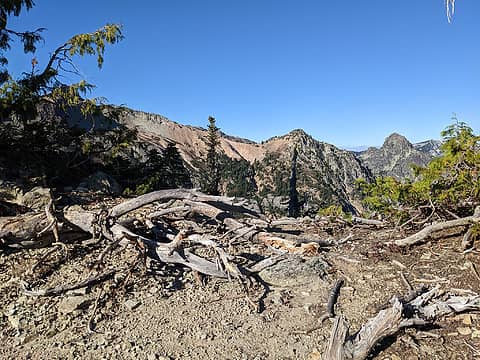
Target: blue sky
x,y
349,72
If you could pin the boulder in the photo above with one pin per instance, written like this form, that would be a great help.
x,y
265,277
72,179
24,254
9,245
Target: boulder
x,y
295,270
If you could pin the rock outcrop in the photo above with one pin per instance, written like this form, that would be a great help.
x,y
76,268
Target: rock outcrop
x,y
431,147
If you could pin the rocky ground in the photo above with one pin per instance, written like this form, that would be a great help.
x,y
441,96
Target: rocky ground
x,y
166,312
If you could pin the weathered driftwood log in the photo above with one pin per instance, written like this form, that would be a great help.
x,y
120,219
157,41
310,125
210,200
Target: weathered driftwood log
x,y
421,310
110,225
369,222
179,194
33,230
425,233
158,251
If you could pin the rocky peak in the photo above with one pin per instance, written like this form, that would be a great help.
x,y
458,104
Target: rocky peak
x,y
298,133
397,141
395,157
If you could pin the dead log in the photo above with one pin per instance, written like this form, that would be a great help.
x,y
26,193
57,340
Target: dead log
x,y
163,212
61,289
178,194
421,310
291,246
369,222
157,251
332,300
425,233
469,238
22,231
34,230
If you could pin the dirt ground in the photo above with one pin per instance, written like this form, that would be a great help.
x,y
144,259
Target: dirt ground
x,y
166,312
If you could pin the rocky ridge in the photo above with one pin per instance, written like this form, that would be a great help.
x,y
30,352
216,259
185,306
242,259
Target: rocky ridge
x,y
326,174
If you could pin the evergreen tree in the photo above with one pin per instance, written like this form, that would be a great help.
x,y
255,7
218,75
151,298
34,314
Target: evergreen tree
x,y
174,172
293,203
19,98
34,107
161,171
211,176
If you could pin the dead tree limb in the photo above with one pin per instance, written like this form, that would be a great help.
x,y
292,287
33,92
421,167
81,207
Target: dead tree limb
x,y
332,300
157,251
61,289
21,231
165,195
422,310
468,239
425,233
370,222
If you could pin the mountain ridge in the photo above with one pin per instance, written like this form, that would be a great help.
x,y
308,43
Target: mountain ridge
x,y
326,173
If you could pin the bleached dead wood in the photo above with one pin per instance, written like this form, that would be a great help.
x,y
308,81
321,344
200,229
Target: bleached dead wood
x,y
425,233
265,263
34,230
292,246
169,194
21,231
425,308
157,251
163,212
370,222
468,239
112,226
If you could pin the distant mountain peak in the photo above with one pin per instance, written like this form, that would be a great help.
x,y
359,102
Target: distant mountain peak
x,y
396,140
395,157
298,132
432,147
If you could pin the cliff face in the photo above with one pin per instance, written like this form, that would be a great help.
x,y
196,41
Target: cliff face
x,y
396,156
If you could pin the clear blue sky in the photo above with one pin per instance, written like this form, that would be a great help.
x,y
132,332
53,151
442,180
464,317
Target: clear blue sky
x,y
349,72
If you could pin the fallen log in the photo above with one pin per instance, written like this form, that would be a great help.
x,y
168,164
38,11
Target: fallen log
x,y
423,309
332,300
61,289
22,231
177,194
369,222
426,232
